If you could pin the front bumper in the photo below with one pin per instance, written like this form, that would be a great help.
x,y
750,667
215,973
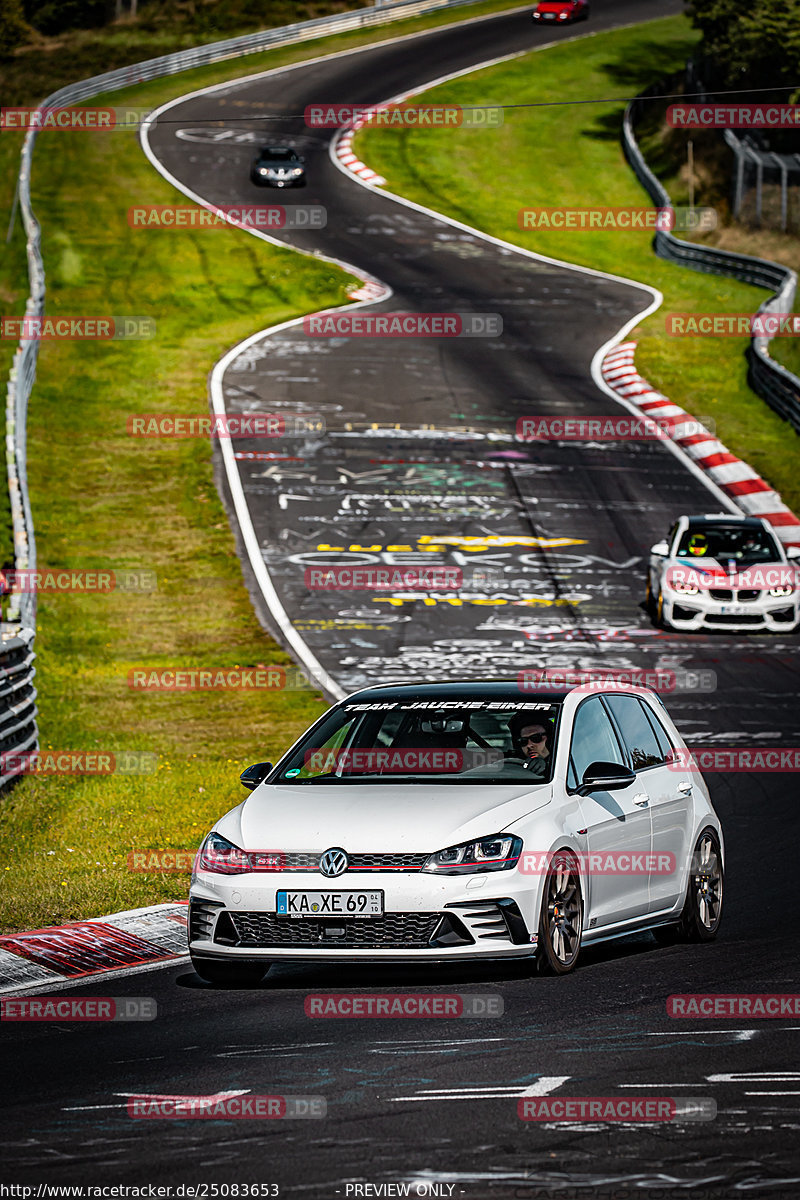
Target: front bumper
x,y
773,614
425,919
265,181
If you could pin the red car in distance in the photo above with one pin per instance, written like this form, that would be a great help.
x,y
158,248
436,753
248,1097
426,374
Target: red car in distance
x,y
561,11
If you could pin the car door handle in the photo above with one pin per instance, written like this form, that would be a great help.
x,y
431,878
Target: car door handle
x,y
642,800
685,786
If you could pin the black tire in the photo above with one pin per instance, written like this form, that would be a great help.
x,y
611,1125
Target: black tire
x,y
229,972
561,918
658,612
702,909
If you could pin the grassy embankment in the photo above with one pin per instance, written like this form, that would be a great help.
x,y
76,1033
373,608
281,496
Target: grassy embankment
x,y
570,155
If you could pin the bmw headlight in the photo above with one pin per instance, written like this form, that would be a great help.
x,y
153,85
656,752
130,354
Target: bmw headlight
x,y
686,589
499,852
781,591
263,171
297,171
221,856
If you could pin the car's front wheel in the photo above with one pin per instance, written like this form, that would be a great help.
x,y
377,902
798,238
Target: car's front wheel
x,y
561,920
229,972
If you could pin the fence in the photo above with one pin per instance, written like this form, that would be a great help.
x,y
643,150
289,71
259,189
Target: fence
x,y
768,379
767,187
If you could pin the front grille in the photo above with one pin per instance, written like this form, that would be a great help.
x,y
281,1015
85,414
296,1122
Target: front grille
x,y
300,862
747,595
392,931
358,862
387,862
727,619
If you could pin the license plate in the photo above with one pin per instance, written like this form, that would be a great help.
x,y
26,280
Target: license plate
x,y
734,610
330,904
549,16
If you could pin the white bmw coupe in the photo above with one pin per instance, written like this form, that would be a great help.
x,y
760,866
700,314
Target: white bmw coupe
x,y
726,572
451,821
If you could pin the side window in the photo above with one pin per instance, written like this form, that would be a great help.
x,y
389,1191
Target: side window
x,y
593,740
671,535
637,731
664,742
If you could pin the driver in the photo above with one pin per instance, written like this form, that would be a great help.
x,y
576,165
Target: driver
x,y
532,743
698,545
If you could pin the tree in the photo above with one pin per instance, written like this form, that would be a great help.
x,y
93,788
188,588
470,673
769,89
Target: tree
x,y
13,30
749,43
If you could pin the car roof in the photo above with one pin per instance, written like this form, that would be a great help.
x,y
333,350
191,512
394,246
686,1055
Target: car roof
x,y
725,519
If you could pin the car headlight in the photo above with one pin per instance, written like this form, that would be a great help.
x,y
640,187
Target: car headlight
x,y
263,171
686,589
221,856
297,171
499,852
781,591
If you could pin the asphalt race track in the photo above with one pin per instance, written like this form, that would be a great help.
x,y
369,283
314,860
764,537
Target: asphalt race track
x,y
419,453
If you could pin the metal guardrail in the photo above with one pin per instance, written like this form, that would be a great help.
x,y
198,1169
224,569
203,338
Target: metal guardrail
x,y
768,379
18,731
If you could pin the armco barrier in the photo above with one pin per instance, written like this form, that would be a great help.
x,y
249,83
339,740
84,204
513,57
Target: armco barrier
x,y
17,694
17,699
769,379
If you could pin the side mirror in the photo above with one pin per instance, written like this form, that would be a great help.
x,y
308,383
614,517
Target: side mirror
x,y
605,777
251,777
661,549
793,551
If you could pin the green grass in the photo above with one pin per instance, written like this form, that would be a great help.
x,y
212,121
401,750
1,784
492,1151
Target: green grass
x,y
50,63
570,155
103,500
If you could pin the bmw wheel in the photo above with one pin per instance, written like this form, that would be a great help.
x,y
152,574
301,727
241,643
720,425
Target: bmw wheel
x,y
659,613
649,602
561,921
229,972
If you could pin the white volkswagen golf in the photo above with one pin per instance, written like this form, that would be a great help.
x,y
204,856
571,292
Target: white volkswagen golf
x,y
452,821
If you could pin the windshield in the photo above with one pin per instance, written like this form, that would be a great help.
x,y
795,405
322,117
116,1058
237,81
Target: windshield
x,y
278,154
744,544
465,740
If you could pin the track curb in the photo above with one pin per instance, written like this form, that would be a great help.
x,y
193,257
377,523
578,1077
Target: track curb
x,y
58,954
748,491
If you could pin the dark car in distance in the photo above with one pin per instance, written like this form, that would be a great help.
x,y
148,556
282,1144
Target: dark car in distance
x,y
279,167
